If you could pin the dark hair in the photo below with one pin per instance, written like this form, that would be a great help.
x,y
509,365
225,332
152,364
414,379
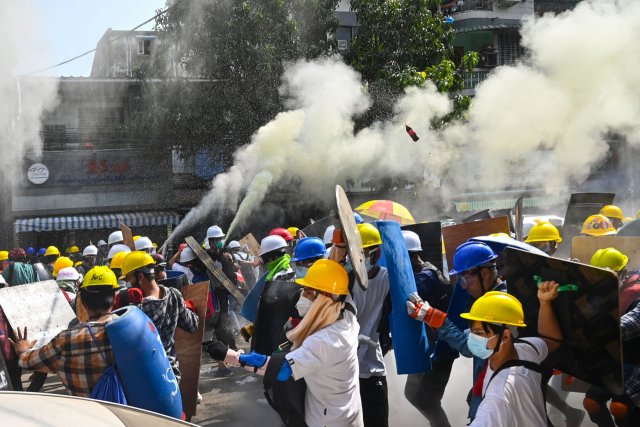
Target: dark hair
x,y
98,298
51,258
147,276
275,254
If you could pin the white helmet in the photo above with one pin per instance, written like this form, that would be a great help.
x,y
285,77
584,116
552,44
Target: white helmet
x,y
90,251
412,241
68,273
214,232
234,244
328,235
271,243
206,244
187,255
102,243
117,248
143,243
115,237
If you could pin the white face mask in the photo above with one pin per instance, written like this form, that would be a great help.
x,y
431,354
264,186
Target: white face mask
x,y
303,306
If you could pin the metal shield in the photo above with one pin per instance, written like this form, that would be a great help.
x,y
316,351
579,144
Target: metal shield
x,y
631,229
581,206
351,237
42,271
318,228
519,219
485,214
430,235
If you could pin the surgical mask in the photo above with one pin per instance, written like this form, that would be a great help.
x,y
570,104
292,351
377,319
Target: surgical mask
x,y
301,272
219,244
367,264
303,306
478,346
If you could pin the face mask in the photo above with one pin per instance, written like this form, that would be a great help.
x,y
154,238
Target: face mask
x,y
303,306
478,346
301,272
219,245
367,260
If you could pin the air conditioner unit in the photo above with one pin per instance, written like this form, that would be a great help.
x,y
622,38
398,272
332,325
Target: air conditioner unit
x,y
342,45
507,3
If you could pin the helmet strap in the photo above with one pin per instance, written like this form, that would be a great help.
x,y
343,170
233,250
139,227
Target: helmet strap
x,y
500,335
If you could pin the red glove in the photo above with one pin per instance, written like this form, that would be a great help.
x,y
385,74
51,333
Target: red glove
x,y
190,305
134,296
421,310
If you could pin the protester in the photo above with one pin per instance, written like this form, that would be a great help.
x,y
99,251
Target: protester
x,y
614,214
4,260
18,272
159,266
116,267
544,236
115,238
50,256
273,253
74,253
181,262
144,244
74,354
68,280
61,263
31,256
598,225
89,259
116,249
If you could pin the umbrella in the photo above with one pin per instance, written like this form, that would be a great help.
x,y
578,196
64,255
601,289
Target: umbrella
x,y
386,210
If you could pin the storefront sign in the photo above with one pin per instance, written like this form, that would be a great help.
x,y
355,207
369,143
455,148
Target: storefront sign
x,y
38,173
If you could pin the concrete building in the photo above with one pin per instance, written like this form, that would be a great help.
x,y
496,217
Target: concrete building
x,y
119,53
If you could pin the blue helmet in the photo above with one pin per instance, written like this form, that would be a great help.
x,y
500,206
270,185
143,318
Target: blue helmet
x,y
42,251
309,247
470,255
30,251
359,219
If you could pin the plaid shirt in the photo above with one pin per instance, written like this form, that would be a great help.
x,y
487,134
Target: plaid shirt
x,y
630,324
166,314
73,355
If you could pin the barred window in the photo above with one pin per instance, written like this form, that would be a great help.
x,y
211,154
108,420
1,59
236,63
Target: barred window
x,y
509,46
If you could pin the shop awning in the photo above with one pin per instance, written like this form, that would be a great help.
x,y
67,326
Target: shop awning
x,y
488,27
510,203
89,222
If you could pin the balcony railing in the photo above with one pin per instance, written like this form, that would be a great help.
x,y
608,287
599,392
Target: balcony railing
x,y
471,80
466,5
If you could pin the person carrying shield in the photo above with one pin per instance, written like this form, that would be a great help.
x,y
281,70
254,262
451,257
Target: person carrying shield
x,y
614,214
598,225
544,236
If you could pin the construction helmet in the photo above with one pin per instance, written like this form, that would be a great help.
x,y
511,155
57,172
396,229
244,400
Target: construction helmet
x,y
77,264
293,231
137,260
598,225
115,237
611,211
68,273
626,220
143,243
328,276
102,243
282,233
62,262
52,250
4,255
272,243
135,238
502,235
497,307
358,218
67,250
543,232
470,255
214,232
100,276
90,251
609,258
117,249
74,249
370,235
42,251
412,240
155,245
30,251
116,261
187,255
328,235
309,247
234,244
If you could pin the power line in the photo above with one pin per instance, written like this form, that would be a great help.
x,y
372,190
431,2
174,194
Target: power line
x,y
117,38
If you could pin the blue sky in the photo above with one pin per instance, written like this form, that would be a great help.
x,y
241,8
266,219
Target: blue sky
x,y
72,27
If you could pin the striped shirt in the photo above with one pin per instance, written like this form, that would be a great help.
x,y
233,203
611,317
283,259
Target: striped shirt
x,y
73,355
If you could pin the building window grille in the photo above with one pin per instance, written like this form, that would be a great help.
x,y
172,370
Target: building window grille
x,y
510,48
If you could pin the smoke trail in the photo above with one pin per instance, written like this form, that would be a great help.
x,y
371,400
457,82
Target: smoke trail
x,y
578,84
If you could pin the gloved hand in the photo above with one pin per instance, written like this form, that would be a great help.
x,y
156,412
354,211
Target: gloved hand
x,y
363,339
253,359
190,305
247,332
285,372
421,310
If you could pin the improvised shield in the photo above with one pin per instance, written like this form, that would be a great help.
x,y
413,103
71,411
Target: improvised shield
x,y
252,243
498,244
584,247
318,228
484,214
250,305
217,273
42,271
352,237
409,336
519,219
496,213
5,381
581,206
589,318
277,304
430,235
127,235
630,229
175,279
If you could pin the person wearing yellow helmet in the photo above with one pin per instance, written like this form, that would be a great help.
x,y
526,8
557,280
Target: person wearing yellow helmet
x,y
62,262
75,353
4,260
544,236
324,350
614,214
612,259
74,253
165,306
50,256
598,225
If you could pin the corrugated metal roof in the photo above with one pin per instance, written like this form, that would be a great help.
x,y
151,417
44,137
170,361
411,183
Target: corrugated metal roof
x,y
489,27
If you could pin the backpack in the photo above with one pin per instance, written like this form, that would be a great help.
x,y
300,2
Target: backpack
x,y
109,387
285,397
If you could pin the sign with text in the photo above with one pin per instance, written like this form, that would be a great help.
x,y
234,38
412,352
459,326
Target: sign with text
x,y
38,174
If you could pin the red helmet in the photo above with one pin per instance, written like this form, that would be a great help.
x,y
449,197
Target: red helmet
x,y
282,233
182,246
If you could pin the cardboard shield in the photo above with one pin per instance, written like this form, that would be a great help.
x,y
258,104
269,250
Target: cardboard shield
x,y
252,243
5,382
589,318
631,229
318,228
277,304
217,273
584,247
430,235
250,305
189,347
484,214
352,237
581,206
127,235
519,219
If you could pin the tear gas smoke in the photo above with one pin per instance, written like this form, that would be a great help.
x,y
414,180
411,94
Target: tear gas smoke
x,y
578,83
22,100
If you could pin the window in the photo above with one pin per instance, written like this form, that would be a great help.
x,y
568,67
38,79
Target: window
x,y
144,47
100,118
54,129
509,46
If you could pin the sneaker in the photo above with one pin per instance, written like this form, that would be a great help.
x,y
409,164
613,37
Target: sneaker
x,y
222,372
575,418
199,398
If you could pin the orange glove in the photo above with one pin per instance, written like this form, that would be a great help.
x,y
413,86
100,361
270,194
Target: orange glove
x,y
190,305
421,310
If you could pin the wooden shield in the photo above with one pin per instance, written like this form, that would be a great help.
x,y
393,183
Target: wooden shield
x,y
584,247
252,243
189,347
127,236
352,237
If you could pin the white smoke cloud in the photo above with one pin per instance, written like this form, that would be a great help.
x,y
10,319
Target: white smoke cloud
x,y
579,82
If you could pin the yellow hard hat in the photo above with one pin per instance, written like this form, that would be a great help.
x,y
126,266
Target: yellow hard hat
x,y
504,235
543,232
155,245
638,216
598,225
62,262
293,231
136,260
52,250
328,276
67,249
135,238
78,263
74,249
497,307
609,258
370,235
116,261
100,276
611,211
4,255
626,220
